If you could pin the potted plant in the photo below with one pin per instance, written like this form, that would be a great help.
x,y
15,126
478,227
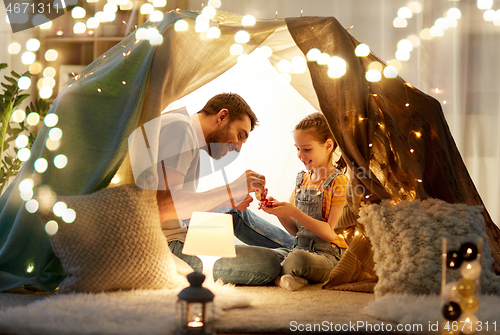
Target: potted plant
x,y
10,100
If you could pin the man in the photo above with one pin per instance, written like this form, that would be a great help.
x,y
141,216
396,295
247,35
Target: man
x,y
223,125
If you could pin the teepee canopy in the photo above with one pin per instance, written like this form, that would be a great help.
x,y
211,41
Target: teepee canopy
x,y
394,137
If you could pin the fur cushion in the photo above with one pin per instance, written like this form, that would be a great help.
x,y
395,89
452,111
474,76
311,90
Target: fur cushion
x,y
115,242
407,243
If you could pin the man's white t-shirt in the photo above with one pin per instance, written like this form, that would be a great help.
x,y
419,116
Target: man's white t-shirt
x,y
179,150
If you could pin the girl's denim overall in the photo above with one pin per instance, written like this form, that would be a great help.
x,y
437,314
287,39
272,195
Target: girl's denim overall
x,y
311,257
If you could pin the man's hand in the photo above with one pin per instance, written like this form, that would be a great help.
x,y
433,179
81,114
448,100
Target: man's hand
x,y
242,206
248,182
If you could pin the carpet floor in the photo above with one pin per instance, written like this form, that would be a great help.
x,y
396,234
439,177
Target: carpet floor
x,y
239,310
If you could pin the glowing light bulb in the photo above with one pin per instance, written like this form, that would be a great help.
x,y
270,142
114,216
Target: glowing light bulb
x,y
147,8
323,58
441,22
152,33
373,75
157,40
242,36
214,3
24,83
405,12
362,50
32,206
92,23
33,119
22,141
28,58
50,55
436,31
51,120
248,20
45,92
18,115
484,4
49,82
425,34
79,28
69,215
51,227
489,15
140,34
60,161
156,16
55,134
32,44
405,45
181,25
78,12
402,55
415,7
23,154
399,22
390,72
313,55
213,32
14,48
209,11
41,165
49,72
26,185
236,49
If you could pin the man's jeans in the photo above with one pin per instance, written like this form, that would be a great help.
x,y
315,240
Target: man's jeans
x,y
255,263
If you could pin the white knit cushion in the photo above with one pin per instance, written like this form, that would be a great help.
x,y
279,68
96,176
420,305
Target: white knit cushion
x,y
115,243
407,243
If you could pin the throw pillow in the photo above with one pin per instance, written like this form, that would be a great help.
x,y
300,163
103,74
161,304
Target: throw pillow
x,y
115,242
407,243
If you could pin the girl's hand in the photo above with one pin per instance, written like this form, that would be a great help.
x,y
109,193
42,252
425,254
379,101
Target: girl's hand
x,y
280,209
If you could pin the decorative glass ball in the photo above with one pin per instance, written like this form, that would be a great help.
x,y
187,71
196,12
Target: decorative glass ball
x,y
468,251
469,324
453,259
470,270
451,311
466,287
450,292
469,305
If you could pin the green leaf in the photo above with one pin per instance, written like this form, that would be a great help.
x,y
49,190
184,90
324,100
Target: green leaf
x,y
12,80
15,74
3,66
10,89
20,99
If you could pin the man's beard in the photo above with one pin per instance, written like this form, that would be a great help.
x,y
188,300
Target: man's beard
x,y
217,142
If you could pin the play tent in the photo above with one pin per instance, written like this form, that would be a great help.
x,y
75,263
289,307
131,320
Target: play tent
x,y
394,137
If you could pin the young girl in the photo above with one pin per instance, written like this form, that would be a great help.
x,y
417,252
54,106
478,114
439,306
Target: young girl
x,y
315,206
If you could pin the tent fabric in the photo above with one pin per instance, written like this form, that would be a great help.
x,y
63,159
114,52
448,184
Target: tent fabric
x,y
376,125
134,81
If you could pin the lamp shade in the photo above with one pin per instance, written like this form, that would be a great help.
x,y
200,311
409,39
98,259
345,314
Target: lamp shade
x,y
210,234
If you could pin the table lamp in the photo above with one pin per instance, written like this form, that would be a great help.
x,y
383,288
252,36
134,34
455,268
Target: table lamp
x,y
210,236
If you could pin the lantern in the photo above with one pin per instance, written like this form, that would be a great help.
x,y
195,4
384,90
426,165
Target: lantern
x,y
194,310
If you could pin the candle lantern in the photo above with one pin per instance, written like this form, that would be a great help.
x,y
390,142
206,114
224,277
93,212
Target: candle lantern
x,y
194,309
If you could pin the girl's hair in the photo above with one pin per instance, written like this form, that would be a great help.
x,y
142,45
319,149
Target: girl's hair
x,y
317,125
